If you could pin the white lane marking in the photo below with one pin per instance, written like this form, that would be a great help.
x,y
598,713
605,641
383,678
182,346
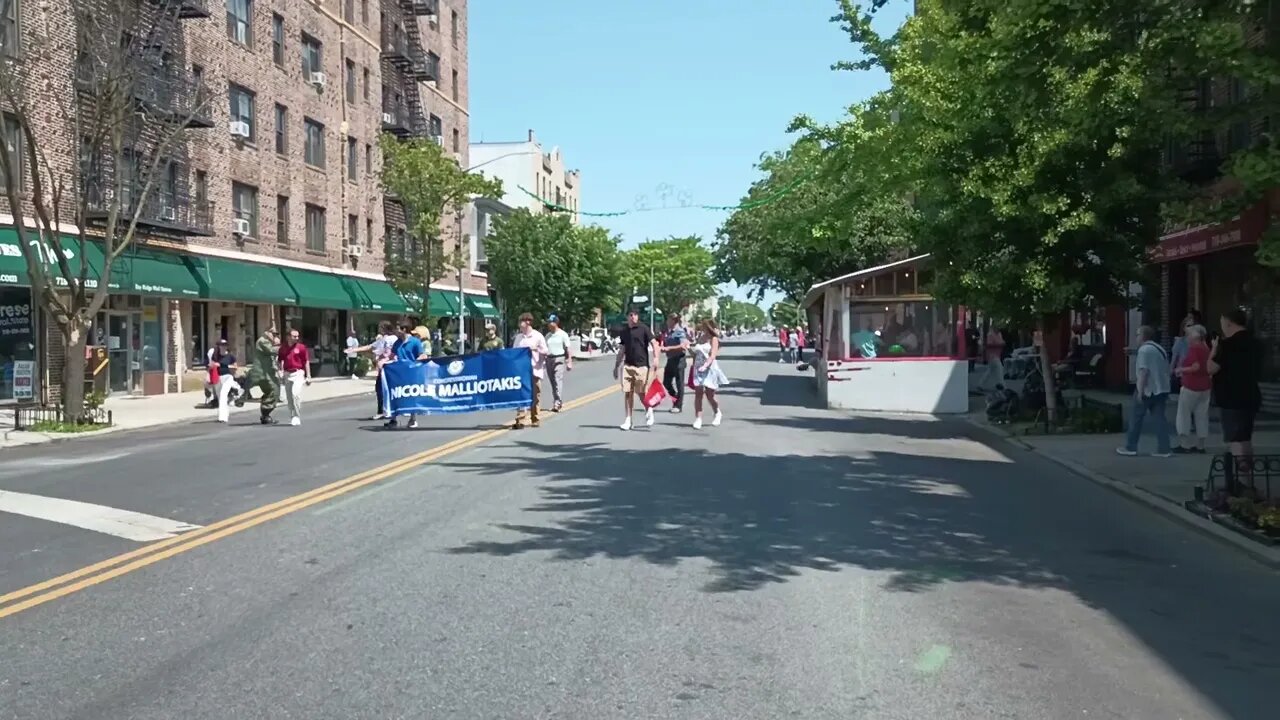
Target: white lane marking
x,y
98,518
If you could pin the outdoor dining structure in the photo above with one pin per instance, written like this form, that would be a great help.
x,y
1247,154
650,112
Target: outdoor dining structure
x,y
885,344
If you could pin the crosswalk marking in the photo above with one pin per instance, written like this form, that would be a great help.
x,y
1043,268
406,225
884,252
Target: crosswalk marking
x,y
98,518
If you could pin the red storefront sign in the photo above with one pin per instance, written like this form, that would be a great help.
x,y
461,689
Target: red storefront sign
x,y
1243,229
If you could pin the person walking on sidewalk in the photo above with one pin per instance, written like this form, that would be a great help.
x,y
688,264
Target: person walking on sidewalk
x,y
1151,394
528,337
265,375
675,345
559,360
227,385
1193,398
1236,365
295,372
636,366
708,378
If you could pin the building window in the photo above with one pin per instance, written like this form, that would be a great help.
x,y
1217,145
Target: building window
x,y
12,150
457,142
277,39
242,109
240,21
315,228
202,188
282,129
353,230
453,27
198,331
368,232
282,219
433,63
349,10
244,205
455,86
351,82
435,127
352,152
312,57
364,11
313,152
364,83
368,159
10,38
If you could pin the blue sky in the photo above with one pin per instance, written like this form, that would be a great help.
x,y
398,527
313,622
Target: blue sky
x,y
642,96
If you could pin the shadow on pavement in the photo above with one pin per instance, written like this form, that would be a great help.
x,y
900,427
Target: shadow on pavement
x,y
777,391
918,514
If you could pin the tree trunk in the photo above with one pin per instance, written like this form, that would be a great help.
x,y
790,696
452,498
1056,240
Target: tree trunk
x,y
75,336
1046,368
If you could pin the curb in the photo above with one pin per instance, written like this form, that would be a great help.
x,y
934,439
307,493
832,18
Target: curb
x,y
1268,556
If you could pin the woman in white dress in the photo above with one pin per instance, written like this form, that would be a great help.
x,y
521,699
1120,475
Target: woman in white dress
x,y
707,375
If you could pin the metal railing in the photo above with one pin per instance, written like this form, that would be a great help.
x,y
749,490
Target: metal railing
x,y
26,417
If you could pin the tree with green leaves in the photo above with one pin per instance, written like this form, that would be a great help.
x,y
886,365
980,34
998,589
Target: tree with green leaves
x,y
740,314
681,270
817,213
1032,133
785,312
427,183
545,264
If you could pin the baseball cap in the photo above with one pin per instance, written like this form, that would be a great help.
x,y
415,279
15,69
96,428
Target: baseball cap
x,y
553,318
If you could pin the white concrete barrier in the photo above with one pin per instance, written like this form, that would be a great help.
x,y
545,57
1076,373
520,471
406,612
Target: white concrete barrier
x,y
899,384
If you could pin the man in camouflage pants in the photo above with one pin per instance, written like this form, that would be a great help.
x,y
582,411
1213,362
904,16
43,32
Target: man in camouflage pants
x,y
264,375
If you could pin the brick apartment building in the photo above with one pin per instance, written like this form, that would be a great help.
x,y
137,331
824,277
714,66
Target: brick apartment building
x,y
270,211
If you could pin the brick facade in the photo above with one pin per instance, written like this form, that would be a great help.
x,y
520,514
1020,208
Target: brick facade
x,y
209,53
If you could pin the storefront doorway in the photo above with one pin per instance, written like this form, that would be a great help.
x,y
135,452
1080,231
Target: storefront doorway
x,y
121,333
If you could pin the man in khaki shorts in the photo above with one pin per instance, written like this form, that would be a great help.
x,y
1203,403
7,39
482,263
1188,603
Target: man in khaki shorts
x,y
637,365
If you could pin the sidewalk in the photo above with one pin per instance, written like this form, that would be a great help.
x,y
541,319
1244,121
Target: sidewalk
x,y
1161,483
130,412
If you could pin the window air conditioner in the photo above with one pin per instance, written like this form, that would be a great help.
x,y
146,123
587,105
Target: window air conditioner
x,y
433,84
169,214
354,250
239,129
438,139
387,118
240,226
318,79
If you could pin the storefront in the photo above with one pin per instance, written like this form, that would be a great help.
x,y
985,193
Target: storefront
x,y
18,333
1213,269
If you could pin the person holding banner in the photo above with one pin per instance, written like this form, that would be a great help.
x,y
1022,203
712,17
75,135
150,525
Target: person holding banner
x,y
380,348
529,338
409,348
637,363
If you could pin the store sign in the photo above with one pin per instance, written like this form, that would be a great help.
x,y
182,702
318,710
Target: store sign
x,y
15,321
45,255
24,376
1241,230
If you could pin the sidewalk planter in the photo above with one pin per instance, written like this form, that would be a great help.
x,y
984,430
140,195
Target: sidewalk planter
x,y
1250,505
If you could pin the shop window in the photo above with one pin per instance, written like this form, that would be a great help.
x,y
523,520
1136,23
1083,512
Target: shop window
x,y
17,345
152,335
912,329
198,332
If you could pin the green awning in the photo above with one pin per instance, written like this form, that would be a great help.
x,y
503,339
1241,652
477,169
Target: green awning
x,y
241,281
440,304
319,290
375,296
146,271
480,306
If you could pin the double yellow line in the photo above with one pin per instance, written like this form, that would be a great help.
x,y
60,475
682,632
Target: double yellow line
x,y
75,581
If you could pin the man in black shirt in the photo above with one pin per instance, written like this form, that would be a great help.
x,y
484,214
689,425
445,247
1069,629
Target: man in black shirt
x,y
637,364
1236,366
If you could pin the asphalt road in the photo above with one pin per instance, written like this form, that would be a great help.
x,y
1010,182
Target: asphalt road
x,y
794,562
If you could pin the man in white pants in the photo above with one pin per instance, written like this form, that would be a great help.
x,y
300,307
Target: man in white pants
x,y
226,379
295,372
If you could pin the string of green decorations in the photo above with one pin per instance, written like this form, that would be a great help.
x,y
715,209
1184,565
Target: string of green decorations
x,y
770,198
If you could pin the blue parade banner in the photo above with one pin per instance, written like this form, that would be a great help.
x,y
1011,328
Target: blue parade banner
x,y
493,380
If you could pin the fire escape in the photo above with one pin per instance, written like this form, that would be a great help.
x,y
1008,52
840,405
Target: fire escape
x,y
405,64
147,77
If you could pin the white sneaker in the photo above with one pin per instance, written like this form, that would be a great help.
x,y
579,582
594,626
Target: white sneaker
x,y
353,377
648,417
295,421
697,423
715,421
626,424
